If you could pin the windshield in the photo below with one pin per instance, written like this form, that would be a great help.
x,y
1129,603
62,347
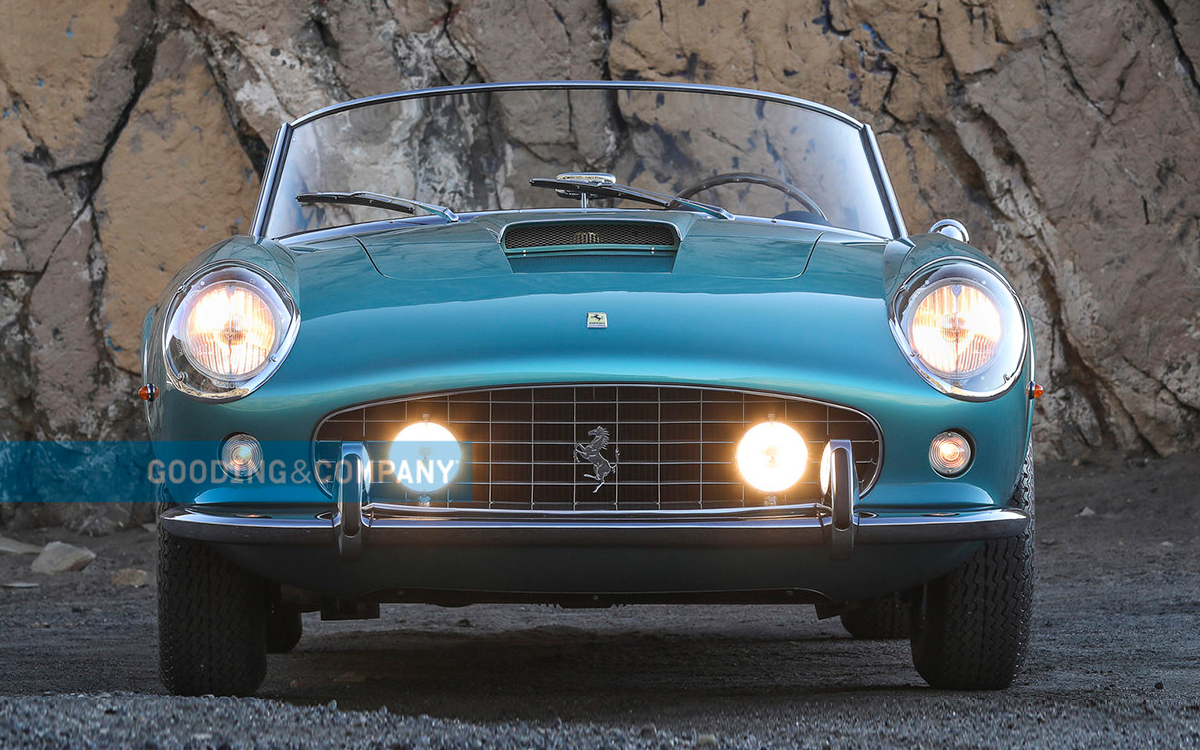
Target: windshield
x,y
477,150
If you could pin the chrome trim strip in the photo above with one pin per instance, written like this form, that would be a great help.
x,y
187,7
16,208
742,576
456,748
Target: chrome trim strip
x,y
377,509
896,218
266,193
316,530
551,85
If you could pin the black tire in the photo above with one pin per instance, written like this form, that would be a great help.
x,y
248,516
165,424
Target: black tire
x,y
971,628
284,629
882,619
211,618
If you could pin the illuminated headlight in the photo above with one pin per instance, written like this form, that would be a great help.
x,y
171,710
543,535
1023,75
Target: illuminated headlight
x,y
241,456
962,328
772,456
228,328
425,457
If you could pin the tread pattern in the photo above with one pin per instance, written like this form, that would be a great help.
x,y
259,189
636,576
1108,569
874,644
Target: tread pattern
x,y
211,615
972,632
885,618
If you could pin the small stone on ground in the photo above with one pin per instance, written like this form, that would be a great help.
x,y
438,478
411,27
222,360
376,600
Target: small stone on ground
x,y
131,577
13,547
58,557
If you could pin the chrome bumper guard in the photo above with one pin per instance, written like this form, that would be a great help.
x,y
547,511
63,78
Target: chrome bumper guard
x,y
835,523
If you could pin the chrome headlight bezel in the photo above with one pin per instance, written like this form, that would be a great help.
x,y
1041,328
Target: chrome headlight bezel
x,y
194,379
999,374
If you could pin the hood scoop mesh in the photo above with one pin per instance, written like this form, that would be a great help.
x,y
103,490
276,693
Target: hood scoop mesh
x,y
578,235
616,246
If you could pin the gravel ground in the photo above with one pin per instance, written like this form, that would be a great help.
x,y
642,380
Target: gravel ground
x,y
1115,659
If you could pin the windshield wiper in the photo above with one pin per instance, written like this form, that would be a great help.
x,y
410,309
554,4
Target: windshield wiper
x,y
627,192
377,200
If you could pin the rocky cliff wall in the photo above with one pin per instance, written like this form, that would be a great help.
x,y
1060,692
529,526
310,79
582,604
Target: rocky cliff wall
x,y
1064,134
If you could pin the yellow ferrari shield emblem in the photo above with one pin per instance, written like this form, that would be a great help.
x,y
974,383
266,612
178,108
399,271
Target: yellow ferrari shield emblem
x,y
597,320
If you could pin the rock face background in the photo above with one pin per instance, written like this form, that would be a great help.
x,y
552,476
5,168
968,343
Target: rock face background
x,y
1065,134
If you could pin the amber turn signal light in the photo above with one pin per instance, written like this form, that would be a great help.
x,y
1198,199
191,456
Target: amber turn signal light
x,y
1036,390
148,392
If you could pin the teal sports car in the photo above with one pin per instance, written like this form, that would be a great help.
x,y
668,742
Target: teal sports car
x,y
588,344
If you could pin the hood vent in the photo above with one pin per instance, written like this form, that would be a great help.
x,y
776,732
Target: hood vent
x,y
646,236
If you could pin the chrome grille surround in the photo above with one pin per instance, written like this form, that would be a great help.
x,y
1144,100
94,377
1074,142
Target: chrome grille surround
x,y
534,234
676,445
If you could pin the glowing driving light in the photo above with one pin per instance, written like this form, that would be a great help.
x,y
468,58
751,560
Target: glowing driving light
x,y
772,456
241,456
425,457
950,453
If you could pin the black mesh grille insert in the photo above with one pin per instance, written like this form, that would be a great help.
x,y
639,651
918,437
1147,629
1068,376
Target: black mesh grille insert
x,y
623,233
673,447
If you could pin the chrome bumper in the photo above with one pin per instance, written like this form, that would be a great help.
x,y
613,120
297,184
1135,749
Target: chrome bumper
x,y
229,527
835,523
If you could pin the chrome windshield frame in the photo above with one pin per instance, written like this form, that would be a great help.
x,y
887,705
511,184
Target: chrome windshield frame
x,y
278,155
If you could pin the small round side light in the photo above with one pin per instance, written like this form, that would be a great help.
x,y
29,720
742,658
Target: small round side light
x,y
241,456
950,453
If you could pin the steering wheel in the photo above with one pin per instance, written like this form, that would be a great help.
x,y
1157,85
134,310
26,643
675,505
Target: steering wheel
x,y
728,178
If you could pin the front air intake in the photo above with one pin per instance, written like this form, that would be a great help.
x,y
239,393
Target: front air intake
x,y
647,236
673,447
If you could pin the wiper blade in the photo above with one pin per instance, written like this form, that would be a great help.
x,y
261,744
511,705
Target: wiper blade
x,y
377,200
628,192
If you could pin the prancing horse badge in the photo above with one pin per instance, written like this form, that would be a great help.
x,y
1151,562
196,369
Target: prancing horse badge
x,y
591,452
597,320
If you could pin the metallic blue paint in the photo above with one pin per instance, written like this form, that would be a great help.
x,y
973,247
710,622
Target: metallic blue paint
x,y
810,323
410,306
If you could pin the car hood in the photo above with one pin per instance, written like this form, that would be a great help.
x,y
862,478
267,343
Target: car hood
x,y
367,335
436,264
475,247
